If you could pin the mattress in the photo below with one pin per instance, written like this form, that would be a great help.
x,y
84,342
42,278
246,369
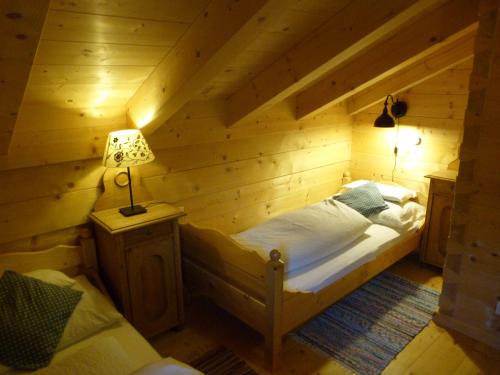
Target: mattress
x,y
138,350
375,240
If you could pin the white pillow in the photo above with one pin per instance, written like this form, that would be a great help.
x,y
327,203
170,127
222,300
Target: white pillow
x,y
92,314
52,277
393,192
400,217
306,235
104,356
167,366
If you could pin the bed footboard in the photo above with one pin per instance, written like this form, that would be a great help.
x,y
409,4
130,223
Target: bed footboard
x,y
239,281
242,283
220,254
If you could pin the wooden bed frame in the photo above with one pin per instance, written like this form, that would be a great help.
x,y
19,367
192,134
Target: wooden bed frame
x,y
240,281
72,260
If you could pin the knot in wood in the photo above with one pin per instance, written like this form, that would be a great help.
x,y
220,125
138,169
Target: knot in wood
x,y
275,255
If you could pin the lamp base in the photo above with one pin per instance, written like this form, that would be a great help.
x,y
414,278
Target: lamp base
x,y
134,210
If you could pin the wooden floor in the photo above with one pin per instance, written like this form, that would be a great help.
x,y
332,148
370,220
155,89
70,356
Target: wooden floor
x,y
434,351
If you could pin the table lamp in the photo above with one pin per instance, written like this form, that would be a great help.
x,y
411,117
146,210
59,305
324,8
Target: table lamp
x,y
127,148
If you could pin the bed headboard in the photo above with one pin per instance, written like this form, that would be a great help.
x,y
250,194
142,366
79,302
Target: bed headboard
x,y
72,260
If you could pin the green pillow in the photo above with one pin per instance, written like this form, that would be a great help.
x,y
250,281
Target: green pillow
x,y
366,199
33,315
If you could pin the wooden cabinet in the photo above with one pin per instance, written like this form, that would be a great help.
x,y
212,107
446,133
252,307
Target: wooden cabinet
x,y
438,218
139,258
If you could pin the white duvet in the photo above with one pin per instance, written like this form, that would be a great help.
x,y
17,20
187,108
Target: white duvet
x,y
306,235
104,356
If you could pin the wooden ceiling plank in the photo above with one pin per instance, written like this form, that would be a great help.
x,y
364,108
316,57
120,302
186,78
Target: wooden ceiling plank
x,y
161,10
415,41
81,27
21,24
433,65
80,95
88,75
223,31
104,54
351,30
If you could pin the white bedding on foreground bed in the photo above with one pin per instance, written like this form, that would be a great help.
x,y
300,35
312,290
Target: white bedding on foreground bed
x,y
116,350
323,272
139,352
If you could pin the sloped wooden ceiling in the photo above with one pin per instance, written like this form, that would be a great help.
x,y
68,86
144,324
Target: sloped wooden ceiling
x,y
98,61
20,27
97,53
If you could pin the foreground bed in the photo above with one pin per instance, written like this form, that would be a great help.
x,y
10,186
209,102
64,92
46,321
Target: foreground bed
x,y
116,349
269,299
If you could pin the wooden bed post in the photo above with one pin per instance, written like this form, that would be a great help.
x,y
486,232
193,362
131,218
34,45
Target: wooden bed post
x,y
274,308
88,249
90,263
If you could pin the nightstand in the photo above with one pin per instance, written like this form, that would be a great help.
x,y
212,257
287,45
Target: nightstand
x,y
140,262
438,217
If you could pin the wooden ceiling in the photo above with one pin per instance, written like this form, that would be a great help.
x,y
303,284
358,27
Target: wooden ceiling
x,y
98,53
148,58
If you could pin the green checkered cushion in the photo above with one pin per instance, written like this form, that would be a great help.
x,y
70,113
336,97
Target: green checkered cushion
x,y
366,199
33,315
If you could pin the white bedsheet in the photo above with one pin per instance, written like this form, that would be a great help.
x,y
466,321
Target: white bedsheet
x,y
323,272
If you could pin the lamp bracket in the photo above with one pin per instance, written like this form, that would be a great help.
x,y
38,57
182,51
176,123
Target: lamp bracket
x,y
399,109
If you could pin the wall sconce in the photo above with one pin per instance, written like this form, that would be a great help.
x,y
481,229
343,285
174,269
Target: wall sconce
x,y
398,109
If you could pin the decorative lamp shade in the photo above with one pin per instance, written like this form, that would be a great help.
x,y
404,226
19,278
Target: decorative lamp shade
x,y
126,148
384,120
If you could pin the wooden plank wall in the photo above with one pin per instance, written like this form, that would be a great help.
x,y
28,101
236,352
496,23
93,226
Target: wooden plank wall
x,y
435,114
235,177
471,289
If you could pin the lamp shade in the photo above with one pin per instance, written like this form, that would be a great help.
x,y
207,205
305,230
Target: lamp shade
x,y
126,148
384,120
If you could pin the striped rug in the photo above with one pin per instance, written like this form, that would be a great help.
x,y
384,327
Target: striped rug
x,y
366,329
222,361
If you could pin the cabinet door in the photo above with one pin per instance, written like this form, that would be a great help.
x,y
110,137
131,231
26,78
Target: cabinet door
x,y
152,282
439,229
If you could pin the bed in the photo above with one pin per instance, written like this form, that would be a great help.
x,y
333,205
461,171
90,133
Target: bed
x,y
275,300
118,345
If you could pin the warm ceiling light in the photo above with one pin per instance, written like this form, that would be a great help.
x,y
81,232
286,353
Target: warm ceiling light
x,y
398,109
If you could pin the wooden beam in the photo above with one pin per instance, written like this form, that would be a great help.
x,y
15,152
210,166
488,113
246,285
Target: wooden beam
x,y
354,28
21,24
431,66
415,41
222,31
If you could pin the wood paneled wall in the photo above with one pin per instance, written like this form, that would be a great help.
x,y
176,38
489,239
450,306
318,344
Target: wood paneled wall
x,y
435,114
234,177
471,289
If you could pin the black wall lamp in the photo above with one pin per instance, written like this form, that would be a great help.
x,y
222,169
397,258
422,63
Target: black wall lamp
x,y
398,109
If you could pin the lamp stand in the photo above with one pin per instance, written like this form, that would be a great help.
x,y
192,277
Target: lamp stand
x,y
132,210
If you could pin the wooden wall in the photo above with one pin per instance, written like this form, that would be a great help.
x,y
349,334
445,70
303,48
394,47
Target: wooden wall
x,y
471,289
435,114
234,176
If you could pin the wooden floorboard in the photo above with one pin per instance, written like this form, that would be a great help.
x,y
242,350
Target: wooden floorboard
x,y
435,350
